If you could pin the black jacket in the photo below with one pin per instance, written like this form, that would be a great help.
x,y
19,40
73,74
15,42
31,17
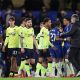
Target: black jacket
x,y
75,35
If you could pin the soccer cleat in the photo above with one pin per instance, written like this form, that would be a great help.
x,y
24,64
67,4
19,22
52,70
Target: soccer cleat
x,y
78,74
33,73
72,75
43,76
37,75
51,75
30,76
11,74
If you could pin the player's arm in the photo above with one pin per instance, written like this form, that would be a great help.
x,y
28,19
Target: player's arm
x,y
38,37
58,38
1,41
71,32
6,41
50,44
21,42
35,42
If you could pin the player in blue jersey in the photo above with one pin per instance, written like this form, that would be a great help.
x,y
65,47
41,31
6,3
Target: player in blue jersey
x,y
56,54
69,68
68,25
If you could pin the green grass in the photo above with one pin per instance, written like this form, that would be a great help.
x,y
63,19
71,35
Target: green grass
x,y
39,78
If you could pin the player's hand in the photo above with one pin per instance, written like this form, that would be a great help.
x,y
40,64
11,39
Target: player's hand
x,y
54,48
44,50
68,39
61,30
22,50
37,51
3,48
61,34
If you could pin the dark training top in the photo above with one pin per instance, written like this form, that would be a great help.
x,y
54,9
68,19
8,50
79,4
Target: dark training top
x,y
75,34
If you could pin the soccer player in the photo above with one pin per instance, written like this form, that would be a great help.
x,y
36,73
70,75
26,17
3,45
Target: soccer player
x,y
12,40
44,55
75,42
68,25
56,54
27,48
66,47
21,60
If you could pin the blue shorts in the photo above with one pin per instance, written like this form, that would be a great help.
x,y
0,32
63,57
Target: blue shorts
x,y
56,53
28,54
66,48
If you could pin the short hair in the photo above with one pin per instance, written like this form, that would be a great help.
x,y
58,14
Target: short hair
x,y
23,19
67,18
46,20
75,16
12,18
41,22
27,19
58,23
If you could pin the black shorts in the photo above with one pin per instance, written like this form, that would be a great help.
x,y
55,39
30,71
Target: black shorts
x,y
12,52
45,54
28,54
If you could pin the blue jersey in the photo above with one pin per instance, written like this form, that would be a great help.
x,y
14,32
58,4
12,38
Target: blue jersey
x,y
67,43
67,29
57,43
53,34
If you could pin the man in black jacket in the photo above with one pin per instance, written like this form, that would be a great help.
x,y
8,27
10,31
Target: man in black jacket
x,y
75,42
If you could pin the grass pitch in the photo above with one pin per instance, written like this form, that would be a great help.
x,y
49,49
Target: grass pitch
x,y
40,78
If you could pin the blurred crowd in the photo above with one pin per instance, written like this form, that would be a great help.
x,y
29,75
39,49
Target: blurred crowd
x,y
37,4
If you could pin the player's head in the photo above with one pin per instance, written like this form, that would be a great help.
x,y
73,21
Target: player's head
x,y
23,21
59,26
58,23
11,21
28,22
66,20
41,24
74,18
47,22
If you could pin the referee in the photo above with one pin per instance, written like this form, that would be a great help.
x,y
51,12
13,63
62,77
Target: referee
x,y
75,42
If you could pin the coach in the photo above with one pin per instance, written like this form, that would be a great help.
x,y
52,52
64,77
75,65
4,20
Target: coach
x,y
75,42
